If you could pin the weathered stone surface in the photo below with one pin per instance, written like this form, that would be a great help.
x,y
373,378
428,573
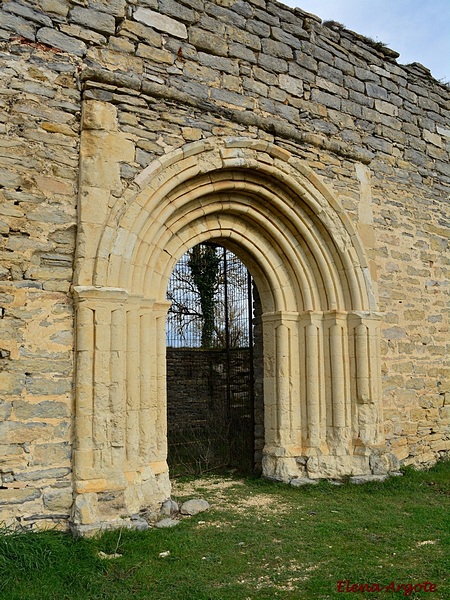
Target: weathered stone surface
x,y
177,10
194,506
272,63
232,98
18,496
169,508
27,13
46,455
42,410
291,85
19,433
359,479
209,42
12,383
241,51
99,123
85,510
54,38
5,408
161,22
10,450
58,7
17,25
166,523
99,21
155,54
43,474
58,500
218,62
117,8
48,387
83,34
139,524
301,481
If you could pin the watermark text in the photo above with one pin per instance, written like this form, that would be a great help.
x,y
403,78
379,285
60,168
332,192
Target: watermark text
x,y
345,585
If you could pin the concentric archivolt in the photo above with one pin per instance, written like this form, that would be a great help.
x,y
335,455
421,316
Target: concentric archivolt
x,y
253,197
319,320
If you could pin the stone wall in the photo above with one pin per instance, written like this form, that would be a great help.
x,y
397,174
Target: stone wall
x,y
209,409
197,385
39,139
168,73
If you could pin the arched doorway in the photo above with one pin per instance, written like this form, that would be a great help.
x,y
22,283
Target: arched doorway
x,y
319,316
214,404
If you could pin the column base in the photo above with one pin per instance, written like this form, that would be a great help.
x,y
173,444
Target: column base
x,y
365,461
113,508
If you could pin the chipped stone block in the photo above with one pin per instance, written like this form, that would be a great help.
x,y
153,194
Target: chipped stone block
x,y
194,506
359,479
58,7
160,22
93,19
46,455
169,508
27,13
208,42
17,25
18,496
15,432
301,481
117,8
56,39
166,523
56,473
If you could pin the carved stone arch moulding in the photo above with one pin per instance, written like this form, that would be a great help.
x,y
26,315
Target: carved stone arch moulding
x,y
320,323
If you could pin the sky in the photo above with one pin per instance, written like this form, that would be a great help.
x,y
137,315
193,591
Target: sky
x,y
418,29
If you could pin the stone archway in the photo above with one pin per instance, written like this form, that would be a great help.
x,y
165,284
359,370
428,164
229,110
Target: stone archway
x,y
320,325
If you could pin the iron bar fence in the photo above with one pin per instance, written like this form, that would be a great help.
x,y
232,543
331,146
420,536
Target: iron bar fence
x,y
210,388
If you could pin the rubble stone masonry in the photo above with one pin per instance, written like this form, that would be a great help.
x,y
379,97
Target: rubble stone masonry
x,y
151,77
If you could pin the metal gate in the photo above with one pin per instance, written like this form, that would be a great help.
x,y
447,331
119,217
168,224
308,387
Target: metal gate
x,y
210,381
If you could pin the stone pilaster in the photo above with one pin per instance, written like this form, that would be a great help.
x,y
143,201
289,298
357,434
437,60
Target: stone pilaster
x,y
365,357
282,394
120,444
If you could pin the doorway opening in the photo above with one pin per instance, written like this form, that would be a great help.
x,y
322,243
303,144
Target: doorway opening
x,y
214,348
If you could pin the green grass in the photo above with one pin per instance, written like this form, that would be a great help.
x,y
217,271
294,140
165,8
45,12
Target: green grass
x,y
259,540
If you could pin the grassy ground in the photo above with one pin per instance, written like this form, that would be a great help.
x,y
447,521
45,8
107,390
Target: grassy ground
x,y
259,540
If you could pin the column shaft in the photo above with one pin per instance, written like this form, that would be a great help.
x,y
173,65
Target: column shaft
x,y
362,364
117,387
283,383
148,380
337,376
102,414
133,386
312,385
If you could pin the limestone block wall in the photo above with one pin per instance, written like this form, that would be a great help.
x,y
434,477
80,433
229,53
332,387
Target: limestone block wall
x,y
39,139
163,74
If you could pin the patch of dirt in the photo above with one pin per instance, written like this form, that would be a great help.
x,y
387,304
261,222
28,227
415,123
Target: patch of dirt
x,y
263,503
212,487
285,577
217,492
426,543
